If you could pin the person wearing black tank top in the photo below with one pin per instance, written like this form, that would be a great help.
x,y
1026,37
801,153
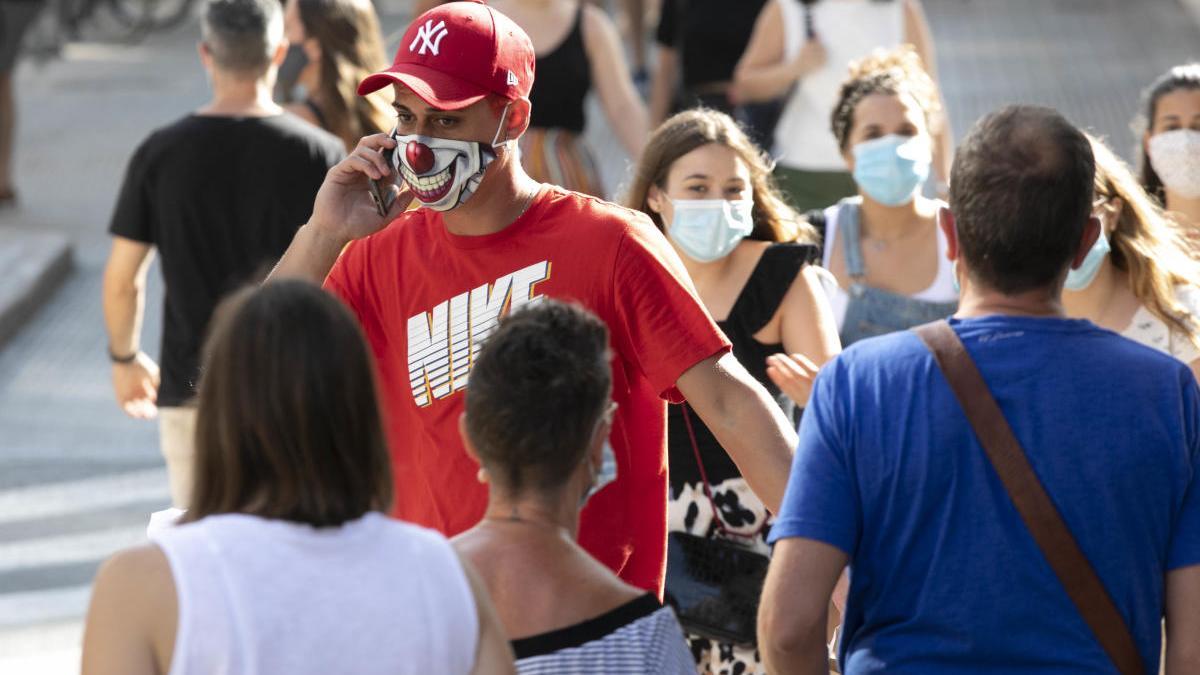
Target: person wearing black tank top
x,y
334,45
700,173
577,48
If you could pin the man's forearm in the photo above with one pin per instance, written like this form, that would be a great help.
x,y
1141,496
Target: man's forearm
x,y
310,256
746,421
810,658
759,439
123,303
792,618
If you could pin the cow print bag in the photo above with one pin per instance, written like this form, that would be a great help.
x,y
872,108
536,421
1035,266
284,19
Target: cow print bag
x,y
714,584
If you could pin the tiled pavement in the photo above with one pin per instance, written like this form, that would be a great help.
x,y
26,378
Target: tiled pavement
x,y
1088,58
77,479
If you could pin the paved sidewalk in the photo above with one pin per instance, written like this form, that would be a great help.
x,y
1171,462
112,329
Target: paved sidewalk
x,y
78,479
35,264
1088,58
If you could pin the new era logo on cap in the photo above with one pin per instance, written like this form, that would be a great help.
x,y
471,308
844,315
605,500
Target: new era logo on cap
x,y
457,54
429,36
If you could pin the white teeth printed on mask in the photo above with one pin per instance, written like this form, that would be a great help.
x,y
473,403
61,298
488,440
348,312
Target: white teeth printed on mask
x,y
427,188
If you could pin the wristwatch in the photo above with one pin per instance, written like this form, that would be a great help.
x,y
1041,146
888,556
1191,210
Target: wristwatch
x,y
122,359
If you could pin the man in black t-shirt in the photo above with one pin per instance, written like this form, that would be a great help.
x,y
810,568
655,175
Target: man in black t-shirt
x,y
219,194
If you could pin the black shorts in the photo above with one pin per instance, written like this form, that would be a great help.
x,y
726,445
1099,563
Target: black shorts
x,y
15,18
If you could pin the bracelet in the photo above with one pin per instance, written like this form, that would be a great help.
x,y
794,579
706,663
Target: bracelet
x,y
122,359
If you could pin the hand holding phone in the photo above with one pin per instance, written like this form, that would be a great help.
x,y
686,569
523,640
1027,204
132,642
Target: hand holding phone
x,y
381,190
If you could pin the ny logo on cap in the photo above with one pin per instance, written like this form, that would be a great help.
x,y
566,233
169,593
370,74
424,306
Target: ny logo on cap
x,y
430,36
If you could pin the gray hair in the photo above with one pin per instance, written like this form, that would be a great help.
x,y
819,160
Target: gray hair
x,y
242,35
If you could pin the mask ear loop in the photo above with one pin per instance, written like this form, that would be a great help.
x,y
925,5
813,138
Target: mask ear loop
x,y
496,142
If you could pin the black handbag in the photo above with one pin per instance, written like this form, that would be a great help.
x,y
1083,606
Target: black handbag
x,y
714,584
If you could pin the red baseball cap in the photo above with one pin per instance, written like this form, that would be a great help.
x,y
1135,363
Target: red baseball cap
x,y
456,54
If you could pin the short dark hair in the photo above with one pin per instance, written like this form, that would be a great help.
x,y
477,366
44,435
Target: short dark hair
x,y
537,391
288,425
1021,193
242,35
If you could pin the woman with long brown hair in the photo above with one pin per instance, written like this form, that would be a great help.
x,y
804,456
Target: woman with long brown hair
x,y
1138,279
285,561
704,183
338,43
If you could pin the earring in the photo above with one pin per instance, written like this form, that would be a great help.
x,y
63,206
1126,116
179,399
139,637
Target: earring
x,y
482,476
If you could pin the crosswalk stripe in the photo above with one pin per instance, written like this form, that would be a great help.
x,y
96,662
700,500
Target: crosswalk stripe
x,y
33,607
67,549
82,496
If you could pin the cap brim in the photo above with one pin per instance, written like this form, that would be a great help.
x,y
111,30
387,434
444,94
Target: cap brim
x,y
432,86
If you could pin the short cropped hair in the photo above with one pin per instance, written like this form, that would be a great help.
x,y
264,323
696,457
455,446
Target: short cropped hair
x,y
1021,193
242,35
288,425
537,391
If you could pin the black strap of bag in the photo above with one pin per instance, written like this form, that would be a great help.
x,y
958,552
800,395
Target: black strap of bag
x,y
1039,514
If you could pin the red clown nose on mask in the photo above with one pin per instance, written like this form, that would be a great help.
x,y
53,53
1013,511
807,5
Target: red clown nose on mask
x,y
419,157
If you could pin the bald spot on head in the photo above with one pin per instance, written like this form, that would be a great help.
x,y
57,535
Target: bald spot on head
x,y
1021,192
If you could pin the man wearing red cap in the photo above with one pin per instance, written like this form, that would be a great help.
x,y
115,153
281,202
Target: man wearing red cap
x,y
429,285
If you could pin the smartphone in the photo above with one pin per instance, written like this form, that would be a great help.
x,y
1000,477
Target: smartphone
x,y
381,192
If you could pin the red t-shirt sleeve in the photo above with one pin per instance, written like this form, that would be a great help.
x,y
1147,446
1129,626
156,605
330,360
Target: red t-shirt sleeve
x,y
660,322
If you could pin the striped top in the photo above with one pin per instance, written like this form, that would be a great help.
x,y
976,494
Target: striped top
x,y
640,637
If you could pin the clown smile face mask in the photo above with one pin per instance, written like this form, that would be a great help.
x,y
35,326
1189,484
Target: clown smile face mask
x,y
443,173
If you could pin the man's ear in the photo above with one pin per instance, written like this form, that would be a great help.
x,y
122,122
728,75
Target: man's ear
x,y
596,452
205,55
1091,232
466,438
517,120
945,220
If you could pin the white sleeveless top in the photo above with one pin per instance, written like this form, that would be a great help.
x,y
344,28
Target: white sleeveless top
x,y
258,597
850,30
941,290
1154,332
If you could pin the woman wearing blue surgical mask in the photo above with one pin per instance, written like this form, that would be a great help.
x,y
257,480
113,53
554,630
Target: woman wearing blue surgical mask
x,y
1137,279
883,246
709,189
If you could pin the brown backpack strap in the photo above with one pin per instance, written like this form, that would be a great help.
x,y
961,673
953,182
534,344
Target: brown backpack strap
x,y
1029,496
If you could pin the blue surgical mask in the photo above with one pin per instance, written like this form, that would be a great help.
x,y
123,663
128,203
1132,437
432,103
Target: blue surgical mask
x,y
605,475
891,169
709,229
1082,277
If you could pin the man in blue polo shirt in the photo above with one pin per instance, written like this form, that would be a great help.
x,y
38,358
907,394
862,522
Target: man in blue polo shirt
x,y
890,478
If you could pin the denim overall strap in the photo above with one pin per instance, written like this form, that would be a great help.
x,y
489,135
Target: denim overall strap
x,y
849,226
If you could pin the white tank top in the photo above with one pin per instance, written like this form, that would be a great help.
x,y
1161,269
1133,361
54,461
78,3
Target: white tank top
x,y
259,596
850,30
941,290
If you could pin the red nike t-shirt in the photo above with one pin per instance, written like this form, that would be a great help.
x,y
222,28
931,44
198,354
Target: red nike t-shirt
x,y
427,299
